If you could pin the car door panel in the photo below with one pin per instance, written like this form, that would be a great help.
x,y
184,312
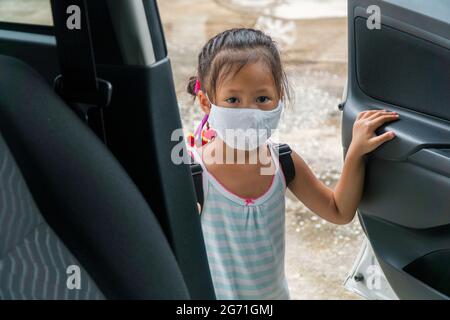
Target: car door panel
x,y
437,160
421,194
405,208
381,59
398,249
415,131
34,45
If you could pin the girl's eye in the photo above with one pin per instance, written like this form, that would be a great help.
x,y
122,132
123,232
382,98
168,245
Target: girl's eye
x,y
232,100
262,99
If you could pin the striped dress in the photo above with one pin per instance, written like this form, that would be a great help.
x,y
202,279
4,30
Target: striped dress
x,y
244,238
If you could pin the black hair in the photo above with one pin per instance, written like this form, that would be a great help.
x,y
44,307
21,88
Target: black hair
x,y
229,52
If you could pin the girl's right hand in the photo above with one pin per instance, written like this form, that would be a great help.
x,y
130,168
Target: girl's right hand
x,y
365,140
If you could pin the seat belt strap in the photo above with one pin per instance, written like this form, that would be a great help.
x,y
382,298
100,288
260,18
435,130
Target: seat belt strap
x,y
78,82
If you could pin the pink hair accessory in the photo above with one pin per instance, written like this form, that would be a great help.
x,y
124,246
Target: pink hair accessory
x,y
197,86
209,134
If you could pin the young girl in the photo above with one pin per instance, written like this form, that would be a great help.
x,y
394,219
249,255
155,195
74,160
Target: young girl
x,y
241,86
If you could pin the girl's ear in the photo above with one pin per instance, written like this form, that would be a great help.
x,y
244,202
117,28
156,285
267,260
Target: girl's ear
x,y
204,102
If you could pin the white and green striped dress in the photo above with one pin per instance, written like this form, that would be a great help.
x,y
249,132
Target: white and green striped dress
x,y
245,238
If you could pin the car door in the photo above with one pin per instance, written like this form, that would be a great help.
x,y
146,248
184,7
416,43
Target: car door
x,y
403,65
130,53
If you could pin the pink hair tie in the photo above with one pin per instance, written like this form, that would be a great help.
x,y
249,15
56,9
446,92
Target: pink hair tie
x,y
197,86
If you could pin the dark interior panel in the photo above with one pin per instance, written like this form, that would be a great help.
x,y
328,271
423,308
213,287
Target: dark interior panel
x,y
406,194
414,131
408,257
433,269
405,209
38,50
437,160
386,73
407,287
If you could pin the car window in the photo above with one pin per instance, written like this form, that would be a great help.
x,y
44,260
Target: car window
x,y
438,9
36,12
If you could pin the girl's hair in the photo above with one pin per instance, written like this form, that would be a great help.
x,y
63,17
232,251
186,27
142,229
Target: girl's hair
x,y
228,52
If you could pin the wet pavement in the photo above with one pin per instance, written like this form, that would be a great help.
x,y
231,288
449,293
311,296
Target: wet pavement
x,y
314,49
31,11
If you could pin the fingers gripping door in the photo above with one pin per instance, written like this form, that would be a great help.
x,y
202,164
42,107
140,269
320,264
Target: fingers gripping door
x,y
404,66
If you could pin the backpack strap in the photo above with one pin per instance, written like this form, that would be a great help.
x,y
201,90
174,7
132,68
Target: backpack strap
x,y
197,177
286,162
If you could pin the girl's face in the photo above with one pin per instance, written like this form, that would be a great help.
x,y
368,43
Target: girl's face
x,y
252,87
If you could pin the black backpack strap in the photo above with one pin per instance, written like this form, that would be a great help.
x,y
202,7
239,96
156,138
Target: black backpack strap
x,y
286,162
197,177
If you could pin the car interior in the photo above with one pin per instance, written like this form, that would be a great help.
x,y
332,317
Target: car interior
x,y
86,119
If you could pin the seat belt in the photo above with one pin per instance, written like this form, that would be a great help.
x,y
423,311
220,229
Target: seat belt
x,y
284,157
78,83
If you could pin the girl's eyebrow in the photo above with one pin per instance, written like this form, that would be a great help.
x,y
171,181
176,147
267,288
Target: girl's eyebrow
x,y
234,90
263,89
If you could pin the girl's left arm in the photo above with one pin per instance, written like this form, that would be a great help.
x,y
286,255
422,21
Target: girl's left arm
x,y
339,205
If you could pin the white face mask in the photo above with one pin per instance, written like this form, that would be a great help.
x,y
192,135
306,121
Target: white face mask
x,y
244,128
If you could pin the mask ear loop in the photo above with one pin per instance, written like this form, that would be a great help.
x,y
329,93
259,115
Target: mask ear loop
x,y
209,134
197,88
198,132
